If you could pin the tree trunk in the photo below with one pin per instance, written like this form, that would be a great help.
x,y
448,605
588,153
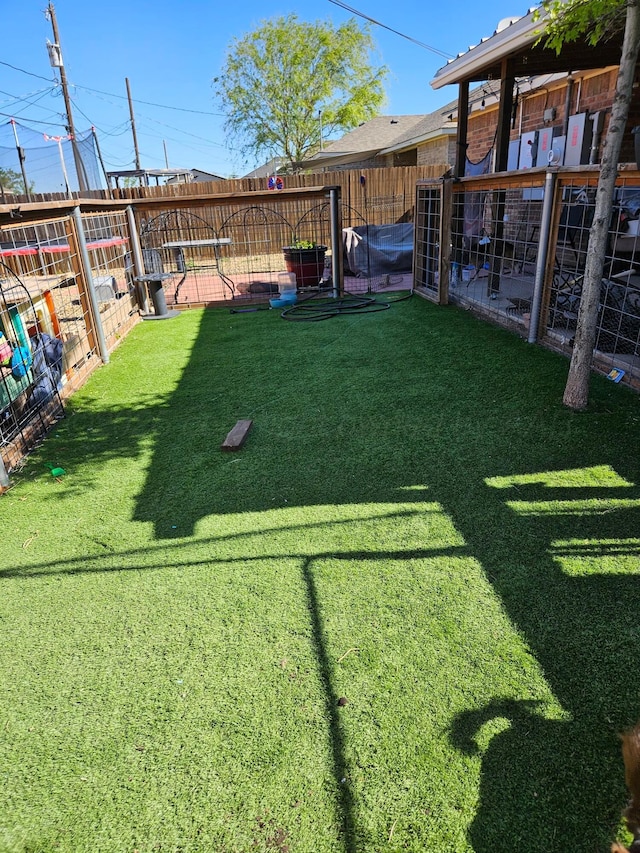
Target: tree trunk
x,y
576,392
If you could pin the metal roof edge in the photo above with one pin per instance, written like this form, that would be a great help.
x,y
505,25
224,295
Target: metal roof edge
x,y
512,38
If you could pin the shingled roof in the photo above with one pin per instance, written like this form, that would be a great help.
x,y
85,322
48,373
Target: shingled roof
x,y
367,139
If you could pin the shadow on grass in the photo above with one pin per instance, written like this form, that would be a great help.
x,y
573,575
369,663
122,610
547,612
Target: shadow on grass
x,y
346,805
350,414
550,784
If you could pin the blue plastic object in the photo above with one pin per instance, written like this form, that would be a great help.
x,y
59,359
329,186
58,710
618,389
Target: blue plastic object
x,y
21,361
284,300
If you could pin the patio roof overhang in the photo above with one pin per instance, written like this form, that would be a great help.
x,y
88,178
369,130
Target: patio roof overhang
x,y
514,47
512,52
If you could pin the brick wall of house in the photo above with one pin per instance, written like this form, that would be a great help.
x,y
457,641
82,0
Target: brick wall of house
x,y
481,133
405,158
591,93
442,150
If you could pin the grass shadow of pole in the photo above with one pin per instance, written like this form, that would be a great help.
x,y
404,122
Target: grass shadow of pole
x,y
345,804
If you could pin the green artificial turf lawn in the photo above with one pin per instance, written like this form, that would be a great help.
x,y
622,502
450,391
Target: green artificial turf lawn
x,y
403,617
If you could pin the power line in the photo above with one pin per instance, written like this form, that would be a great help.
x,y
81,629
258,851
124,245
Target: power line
x,y
391,30
123,125
18,99
185,132
148,103
30,73
113,95
32,103
36,121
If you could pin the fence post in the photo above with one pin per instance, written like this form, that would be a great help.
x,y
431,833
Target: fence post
x,y
336,242
85,264
138,263
444,255
543,248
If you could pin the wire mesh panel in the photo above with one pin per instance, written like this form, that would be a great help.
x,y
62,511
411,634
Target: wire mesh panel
x,y
217,253
231,251
49,301
258,235
618,324
378,243
496,230
427,239
30,371
185,244
270,242
45,257
107,241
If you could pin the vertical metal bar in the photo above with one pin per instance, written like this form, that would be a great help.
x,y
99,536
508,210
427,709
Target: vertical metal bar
x,y
91,289
336,242
543,248
138,264
498,217
461,133
417,238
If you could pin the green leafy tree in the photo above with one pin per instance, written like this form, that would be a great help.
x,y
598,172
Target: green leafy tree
x,y
595,21
11,182
288,82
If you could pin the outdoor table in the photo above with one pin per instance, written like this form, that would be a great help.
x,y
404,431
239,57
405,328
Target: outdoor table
x,y
179,246
154,281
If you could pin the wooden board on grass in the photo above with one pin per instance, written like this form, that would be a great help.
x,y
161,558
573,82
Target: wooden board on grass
x,y
236,438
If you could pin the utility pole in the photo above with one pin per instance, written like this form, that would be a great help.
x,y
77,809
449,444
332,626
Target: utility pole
x,y
133,128
55,58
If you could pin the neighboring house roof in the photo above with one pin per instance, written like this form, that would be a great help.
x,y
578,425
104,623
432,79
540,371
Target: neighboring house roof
x,y
196,175
380,136
365,141
199,175
430,126
271,167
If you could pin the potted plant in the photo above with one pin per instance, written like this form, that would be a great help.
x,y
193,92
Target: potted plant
x,y
305,258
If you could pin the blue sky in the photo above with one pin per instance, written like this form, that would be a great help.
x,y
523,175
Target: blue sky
x,y
170,51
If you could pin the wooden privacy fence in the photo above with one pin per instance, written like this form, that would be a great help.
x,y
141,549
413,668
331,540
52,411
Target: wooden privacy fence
x,y
377,193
